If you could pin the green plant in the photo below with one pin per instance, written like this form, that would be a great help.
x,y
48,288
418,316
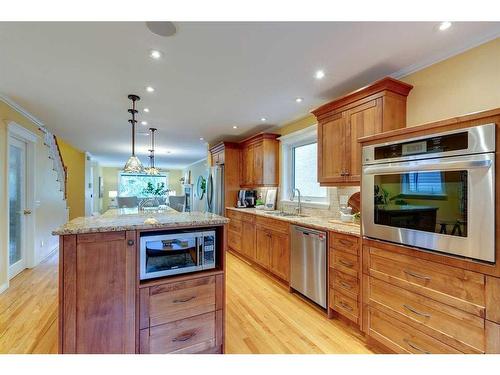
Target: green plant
x,y
159,190
259,202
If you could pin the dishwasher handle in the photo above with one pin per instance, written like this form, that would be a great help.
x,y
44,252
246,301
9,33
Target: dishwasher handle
x,y
307,232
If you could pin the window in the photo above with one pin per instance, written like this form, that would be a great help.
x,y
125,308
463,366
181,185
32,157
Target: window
x,y
135,185
305,172
299,168
428,183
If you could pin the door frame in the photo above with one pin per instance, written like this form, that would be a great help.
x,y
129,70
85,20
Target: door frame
x,y
22,134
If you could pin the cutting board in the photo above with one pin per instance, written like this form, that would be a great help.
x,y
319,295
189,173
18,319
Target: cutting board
x,y
355,202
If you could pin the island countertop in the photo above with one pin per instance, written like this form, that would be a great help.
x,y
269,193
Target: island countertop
x,y
116,220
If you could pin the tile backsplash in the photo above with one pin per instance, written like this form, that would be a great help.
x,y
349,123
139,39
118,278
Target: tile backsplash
x,y
335,194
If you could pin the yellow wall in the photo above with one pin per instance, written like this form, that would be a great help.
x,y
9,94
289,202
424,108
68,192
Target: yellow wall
x,y
465,83
50,208
74,160
110,182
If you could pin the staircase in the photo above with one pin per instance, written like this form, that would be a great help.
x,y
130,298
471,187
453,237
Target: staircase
x,y
50,141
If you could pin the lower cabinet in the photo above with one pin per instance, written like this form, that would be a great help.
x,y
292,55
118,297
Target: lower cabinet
x,y
273,251
263,250
184,316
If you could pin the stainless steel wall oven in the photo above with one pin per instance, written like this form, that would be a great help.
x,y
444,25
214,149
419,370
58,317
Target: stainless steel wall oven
x,y
435,192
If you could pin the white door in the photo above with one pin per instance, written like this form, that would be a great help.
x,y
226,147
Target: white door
x,y
17,206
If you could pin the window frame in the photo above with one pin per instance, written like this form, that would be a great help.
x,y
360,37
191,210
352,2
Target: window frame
x,y
289,142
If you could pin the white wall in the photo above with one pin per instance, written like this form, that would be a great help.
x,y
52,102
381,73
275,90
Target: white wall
x,y
198,169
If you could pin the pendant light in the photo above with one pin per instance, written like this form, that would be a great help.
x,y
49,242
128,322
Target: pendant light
x,y
133,164
152,170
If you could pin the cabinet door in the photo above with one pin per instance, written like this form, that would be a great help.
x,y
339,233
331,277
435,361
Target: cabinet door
x,y
258,164
280,255
247,166
248,239
98,292
263,249
331,150
362,121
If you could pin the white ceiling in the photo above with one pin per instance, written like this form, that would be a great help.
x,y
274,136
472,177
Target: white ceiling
x,y
75,77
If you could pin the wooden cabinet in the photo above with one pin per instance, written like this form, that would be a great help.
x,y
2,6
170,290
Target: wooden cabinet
x,y
280,255
260,161
98,273
343,274
241,233
263,251
373,109
182,315
228,154
248,239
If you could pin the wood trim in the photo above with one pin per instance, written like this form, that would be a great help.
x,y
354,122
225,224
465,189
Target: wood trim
x,y
70,298
131,287
144,308
387,83
258,138
493,299
60,292
179,278
492,338
101,237
221,146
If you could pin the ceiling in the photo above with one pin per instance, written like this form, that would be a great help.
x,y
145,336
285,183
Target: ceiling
x,y
75,77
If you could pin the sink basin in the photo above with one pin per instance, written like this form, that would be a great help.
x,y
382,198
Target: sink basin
x,y
284,214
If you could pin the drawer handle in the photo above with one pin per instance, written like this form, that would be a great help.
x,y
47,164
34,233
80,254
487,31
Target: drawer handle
x,y
345,242
408,307
184,337
345,305
345,285
184,300
346,263
412,345
417,275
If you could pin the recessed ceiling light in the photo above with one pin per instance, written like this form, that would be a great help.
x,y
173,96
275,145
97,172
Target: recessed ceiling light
x,y
155,54
144,122
444,25
299,100
201,138
319,74
150,89
263,119
146,110
235,127
169,152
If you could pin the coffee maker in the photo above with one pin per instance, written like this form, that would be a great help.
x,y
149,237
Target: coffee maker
x,y
246,198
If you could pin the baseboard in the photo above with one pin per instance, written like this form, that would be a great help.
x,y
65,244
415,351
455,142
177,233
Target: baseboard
x,y
3,287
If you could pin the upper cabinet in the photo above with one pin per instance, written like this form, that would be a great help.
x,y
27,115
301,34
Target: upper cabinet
x,y
260,161
376,108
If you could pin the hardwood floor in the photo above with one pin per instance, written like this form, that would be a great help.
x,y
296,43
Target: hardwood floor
x,y
28,310
262,316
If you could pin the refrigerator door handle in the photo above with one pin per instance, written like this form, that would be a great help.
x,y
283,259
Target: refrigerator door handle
x,y
210,192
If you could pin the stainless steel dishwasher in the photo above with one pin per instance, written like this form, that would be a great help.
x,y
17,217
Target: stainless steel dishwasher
x,y
308,264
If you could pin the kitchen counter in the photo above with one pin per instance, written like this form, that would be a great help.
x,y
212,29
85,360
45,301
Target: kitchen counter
x,y
116,220
315,222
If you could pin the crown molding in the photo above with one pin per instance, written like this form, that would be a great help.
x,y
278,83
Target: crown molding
x,y
23,112
444,56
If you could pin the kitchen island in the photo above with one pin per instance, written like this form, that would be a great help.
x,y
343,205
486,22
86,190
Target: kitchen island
x,y
105,307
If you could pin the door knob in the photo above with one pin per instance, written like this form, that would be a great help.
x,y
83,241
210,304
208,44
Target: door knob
x,y
27,212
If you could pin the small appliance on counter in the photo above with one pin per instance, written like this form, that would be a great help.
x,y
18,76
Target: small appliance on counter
x,y
246,198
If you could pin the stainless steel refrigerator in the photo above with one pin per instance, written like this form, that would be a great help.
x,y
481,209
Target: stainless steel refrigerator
x,y
215,190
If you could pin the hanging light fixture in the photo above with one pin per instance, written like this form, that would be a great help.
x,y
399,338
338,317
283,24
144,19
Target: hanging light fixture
x,y
133,164
152,170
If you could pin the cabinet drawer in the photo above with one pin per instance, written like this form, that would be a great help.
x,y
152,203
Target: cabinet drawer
x,y
247,217
235,225
234,240
344,305
344,262
278,225
454,286
232,214
457,328
344,242
347,284
170,302
192,335
403,338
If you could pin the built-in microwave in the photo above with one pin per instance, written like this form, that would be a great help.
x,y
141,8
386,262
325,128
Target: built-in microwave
x,y
435,192
165,254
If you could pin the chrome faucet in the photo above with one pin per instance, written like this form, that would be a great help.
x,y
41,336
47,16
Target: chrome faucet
x,y
299,203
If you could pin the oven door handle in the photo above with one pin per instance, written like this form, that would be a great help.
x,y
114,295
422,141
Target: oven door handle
x,y
440,166
201,253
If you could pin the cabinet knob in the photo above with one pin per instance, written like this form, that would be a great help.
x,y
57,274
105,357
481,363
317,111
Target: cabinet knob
x,y
130,242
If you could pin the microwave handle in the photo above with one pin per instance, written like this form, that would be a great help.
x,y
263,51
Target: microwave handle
x,y
443,165
201,251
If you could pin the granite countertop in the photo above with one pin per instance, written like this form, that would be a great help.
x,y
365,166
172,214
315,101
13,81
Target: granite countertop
x,y
315,222
115,220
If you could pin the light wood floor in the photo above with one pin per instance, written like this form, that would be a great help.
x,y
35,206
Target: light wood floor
x,y
262,316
